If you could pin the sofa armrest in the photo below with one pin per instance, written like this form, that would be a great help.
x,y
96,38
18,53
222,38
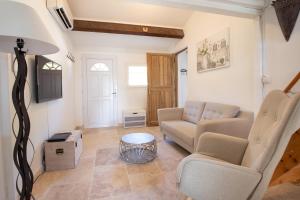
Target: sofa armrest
x,y
237,127
202,178
224,147
168,114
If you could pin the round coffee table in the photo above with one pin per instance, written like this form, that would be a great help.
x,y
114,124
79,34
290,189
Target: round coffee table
x,y
138,148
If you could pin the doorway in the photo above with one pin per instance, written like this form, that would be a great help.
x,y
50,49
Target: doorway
x,y
182,62
100,92
162,84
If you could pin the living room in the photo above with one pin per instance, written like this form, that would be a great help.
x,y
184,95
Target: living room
x,y
117,40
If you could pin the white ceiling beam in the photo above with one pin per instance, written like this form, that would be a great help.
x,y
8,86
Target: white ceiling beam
x,y
257,4
246,8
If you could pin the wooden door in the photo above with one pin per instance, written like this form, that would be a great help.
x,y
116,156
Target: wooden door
x,y
162,84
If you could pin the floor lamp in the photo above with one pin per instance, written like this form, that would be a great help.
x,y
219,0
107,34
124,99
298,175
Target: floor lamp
x,y
22,32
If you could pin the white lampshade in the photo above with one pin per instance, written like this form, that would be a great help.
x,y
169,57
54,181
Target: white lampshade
x,y
18,20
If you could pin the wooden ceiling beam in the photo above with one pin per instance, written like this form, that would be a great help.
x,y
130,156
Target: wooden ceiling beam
x,y
130,29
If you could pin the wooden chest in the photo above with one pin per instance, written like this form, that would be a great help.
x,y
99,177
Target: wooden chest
x,y
64,155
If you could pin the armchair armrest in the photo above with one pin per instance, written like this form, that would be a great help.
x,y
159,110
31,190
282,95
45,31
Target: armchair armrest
x,y
224,147
237,127
203,178
167,114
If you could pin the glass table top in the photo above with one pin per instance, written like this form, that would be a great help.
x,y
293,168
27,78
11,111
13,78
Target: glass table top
x,y
138,138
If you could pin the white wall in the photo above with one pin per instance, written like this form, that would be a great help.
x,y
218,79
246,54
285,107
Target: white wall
x,y
50,117
6,162
128,97
3,192
282,60
232,85
128,49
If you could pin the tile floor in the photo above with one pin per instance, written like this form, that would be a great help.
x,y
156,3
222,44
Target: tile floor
x,y
101,175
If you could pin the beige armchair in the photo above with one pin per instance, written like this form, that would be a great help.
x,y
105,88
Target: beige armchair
x,y
231,168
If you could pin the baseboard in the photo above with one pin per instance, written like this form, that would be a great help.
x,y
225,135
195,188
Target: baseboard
x,y
116,125
119,125
81,127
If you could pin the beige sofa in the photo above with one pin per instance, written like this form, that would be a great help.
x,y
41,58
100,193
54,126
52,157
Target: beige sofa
x,y
185,125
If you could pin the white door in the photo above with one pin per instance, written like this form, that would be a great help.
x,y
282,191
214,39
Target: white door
x,y
100,93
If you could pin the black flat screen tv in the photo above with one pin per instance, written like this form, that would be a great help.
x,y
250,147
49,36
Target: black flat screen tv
x,y
48,79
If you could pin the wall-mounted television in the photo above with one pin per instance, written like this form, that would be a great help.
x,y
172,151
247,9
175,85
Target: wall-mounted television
x,y
48,79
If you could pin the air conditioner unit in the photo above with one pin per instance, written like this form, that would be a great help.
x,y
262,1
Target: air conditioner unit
x,y
134,118
61,11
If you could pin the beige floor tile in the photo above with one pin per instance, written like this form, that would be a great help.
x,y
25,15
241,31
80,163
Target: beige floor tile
x,y
101,175
124,131
156,193
146,180
167,163
109,181
150,167
83,173
167,149
109,156
78,191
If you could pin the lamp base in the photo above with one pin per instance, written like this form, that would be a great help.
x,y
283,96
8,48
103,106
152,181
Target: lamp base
x,y
22,138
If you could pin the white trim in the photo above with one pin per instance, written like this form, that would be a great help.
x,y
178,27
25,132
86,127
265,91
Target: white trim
x,y
246,8
84,59
259,65
7,143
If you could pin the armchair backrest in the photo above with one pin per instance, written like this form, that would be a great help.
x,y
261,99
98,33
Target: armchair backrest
x,y
268,129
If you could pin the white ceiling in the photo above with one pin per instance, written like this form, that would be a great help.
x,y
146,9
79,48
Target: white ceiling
x,y
167,13
128,11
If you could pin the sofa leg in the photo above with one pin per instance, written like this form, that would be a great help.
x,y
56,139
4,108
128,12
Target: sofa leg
x,y
165,137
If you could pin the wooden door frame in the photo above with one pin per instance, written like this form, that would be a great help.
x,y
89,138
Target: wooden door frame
x,y
180,51
84,59
175,80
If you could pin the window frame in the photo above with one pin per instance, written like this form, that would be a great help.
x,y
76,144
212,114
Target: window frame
x,y
100,70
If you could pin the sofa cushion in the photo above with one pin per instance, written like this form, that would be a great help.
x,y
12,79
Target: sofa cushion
x,y
193,111
183,130
219,111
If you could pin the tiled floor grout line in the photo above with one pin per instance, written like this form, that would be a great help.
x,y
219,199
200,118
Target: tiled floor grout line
x,y
92,179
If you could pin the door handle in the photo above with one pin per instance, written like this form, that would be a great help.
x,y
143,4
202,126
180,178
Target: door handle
x,y
114,93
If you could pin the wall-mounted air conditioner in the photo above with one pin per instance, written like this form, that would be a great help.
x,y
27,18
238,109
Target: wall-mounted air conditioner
x,y
61,11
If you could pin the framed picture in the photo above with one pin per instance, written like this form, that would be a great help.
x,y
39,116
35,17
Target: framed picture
x,y
214,52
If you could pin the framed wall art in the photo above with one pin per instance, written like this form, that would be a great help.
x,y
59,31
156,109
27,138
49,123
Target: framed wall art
x,y
214,52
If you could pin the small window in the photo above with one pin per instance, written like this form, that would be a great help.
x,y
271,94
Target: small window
x,y
137,76
52,66
99,67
